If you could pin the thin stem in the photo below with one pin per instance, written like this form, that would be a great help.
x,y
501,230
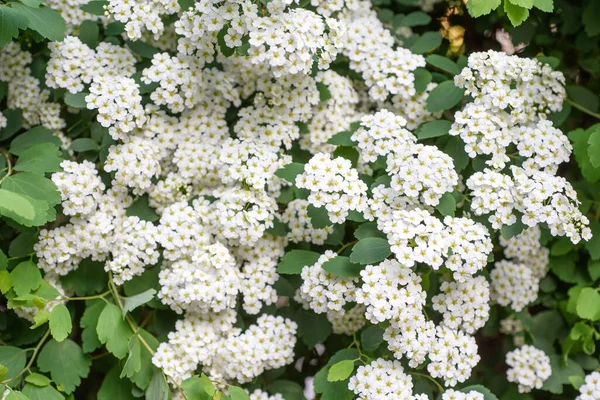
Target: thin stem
x,y
31,360
583,109
98,296
8,163
344,247
437,384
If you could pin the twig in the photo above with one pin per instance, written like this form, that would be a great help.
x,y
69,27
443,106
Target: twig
x,y
31,360
8,163
583,109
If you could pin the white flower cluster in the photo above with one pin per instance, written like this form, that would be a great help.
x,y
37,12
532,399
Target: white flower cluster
x,y
333,184
71,12
453,356
527,249
590,390
140,15
300,224
80,187
451,394
382,379
464,305
529,368
3,121
513,327
257,280
262,395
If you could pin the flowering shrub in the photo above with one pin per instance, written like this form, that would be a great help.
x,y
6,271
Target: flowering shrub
x,y
287,200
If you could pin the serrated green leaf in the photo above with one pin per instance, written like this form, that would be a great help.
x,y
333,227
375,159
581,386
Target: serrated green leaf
x,y
38,379
544,5
321,385
34,186
588,304
5,281
370,250
193,389
144,375
113,331
14,395
26,277
14,359
516,14
44,21
523,3
39,159
237,393
40,318
10,22
477,8
368,229
343,267
444,96
133,364
66,363
60,322
290,171
90,278
579,138
293,261
89,322
371,338
42,393
158,389
131,303
34,136
594,146
114,388
18,207
340,371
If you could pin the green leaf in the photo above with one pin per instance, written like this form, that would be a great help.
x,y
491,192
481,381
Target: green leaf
x,y
322,385
60,322
594,269
371,338
42,393
5,281
227,51
427,42
144,375
88,33
319,218
293,261
77,100
342,139
90,278
26,277
368,229
44,21
3,372
523,3
579,138
41,158
312,328
341,266
544,5
113,331
443,63
140,208
38,379
34,136
561,246
594,146
18,207
3,260
237,393
447,205
290,390
290,171
158,389
115,388
133,364
34,186
487,395
133,302
95,7
40,319
14,122
22,246
444,96
14,395
66,363
588,304
194,390
422,79
510,231
561,372
516,14
590,17
340,371
584,96
416,18
142,48
10,22
477,8
14,359
432,129
370,250
324,93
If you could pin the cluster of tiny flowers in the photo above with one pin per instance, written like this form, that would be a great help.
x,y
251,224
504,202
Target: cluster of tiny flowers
x,y
323,291
452,356
208,282
590,390
347,322
258,278
381,379
268,344
80,187
526,248
513,284
464,305
140,15
529,368
73,64
451,394
119,104
262,395
3,121
488,125
135,162
513,327
333,184
301,229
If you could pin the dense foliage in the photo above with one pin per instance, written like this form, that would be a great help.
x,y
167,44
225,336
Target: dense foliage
x,y
292,199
